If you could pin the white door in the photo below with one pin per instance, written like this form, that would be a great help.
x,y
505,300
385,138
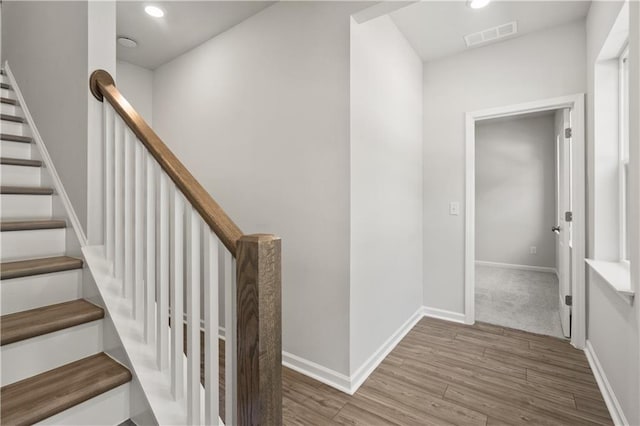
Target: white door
x,y
563,226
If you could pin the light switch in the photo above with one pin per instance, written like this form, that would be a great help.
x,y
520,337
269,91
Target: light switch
x,y
454,208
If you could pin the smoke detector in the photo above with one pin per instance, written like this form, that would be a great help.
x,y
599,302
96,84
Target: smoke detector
x,y
127,42
491,34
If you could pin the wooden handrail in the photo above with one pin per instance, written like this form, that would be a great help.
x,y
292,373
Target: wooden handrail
x,y
103,86
258,302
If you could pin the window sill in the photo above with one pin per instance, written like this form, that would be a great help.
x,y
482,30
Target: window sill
x,y
616,274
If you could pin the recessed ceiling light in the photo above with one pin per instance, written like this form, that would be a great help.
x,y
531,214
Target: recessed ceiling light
x,y
154,11
478,4
127,42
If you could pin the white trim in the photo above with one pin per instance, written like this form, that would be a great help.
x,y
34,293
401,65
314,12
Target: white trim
x,y
623,145
576,103
362,373
527,107
617,415
57,183
519,267
616,274
444,315
318,372
469,220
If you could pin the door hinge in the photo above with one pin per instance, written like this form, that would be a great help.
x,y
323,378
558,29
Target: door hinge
x,y
568,300
568,133
568,216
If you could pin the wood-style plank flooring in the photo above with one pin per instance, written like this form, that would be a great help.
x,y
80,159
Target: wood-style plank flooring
x,y
447,373
38,397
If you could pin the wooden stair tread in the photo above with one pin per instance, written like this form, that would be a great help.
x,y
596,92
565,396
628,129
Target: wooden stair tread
x,y
46,265
14,118
8,101
29,225
15,138
5,86
44,395
25,190
20,162
47,319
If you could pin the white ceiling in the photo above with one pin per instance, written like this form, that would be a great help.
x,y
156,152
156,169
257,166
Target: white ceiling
x,y
437,28
185,25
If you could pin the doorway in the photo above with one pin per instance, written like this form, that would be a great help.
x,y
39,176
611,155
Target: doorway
x,y
563,240
518,189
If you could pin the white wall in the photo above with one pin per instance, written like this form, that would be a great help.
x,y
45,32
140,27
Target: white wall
x,y
136,84
101,47
535,66
386,185
260,115
46,44
612,323
515,190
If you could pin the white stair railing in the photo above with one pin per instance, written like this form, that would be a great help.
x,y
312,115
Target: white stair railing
x,y
170,244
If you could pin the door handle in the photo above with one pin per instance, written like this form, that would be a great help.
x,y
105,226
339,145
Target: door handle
x,y
556,229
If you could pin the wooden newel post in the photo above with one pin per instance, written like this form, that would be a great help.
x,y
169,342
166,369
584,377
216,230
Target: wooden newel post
x,y
259,328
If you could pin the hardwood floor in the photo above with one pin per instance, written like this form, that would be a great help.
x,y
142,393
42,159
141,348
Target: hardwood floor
x,y
447,373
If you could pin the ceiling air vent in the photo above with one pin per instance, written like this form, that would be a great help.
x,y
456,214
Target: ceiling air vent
x,y
491,34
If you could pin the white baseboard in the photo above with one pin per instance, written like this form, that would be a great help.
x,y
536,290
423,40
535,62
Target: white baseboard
x,y
46,158
362,373
520,267
350,384
443,314
617,415
318,372
311,369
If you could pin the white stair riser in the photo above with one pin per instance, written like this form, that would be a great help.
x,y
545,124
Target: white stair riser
x,y
5,93
4,79
22,294
20,175
17,245
33,356
110,408
11,109
13,128
25,206
15,150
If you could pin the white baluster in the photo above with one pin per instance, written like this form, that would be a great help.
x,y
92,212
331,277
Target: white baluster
x,y
193,316
211,354
128,215
109,176
138,226
230,348
118,204
163,275
150,250
177,295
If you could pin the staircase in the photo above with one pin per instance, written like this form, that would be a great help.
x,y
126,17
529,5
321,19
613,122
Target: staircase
x,y
54,368
74,312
